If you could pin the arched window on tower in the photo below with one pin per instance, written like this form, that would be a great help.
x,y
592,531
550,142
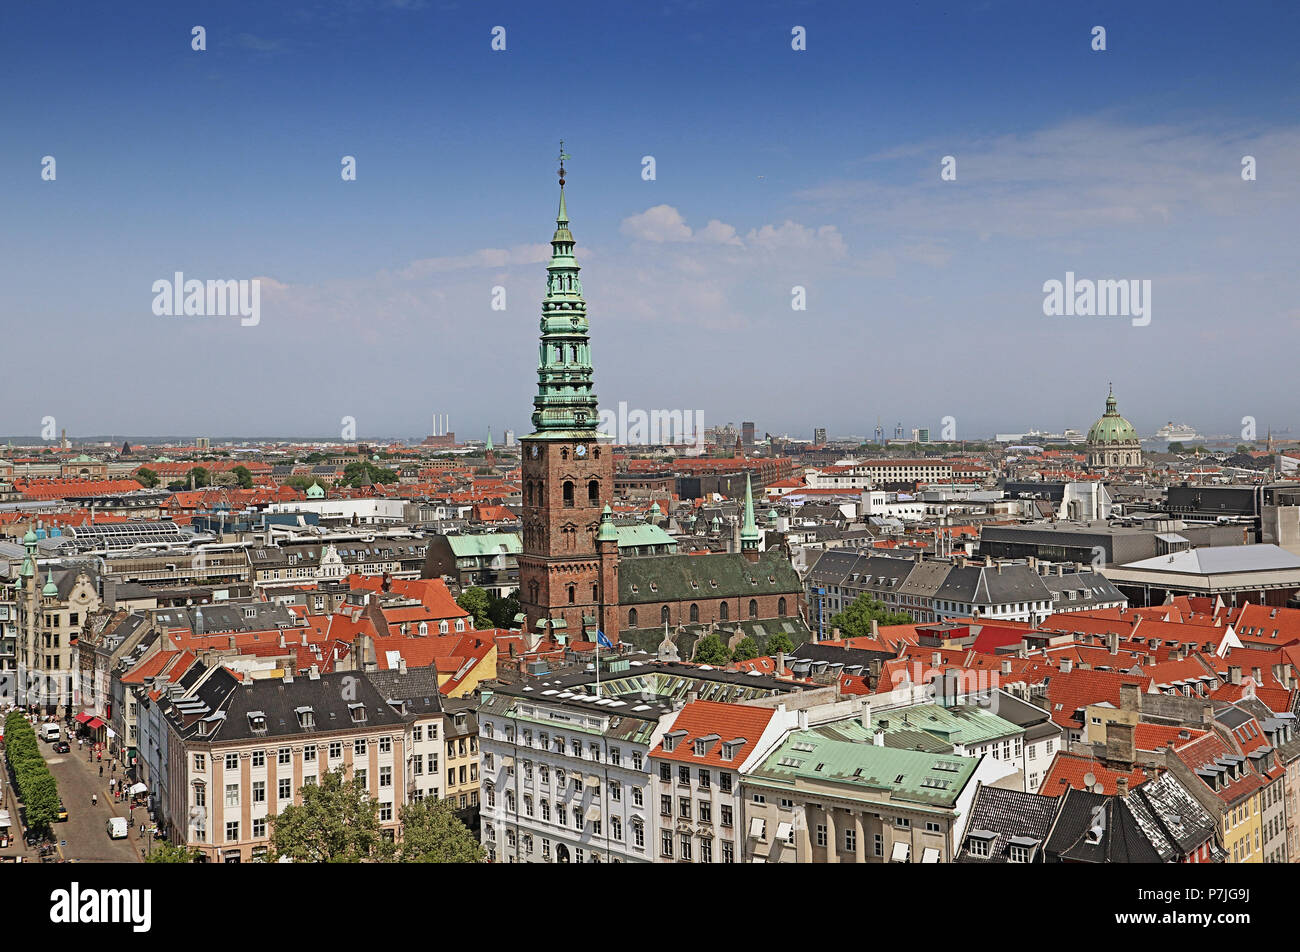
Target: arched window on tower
x,y
595,592
528,492
780,607
753,608
593,491
572,593
631,617
723,611
663,615
533,591
568,492
695,613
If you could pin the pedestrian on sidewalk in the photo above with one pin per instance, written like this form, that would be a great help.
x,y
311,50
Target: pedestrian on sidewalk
x,y
101,770
94,799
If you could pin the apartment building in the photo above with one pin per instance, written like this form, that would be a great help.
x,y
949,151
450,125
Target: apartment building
x,y
697,768
238,753
461,735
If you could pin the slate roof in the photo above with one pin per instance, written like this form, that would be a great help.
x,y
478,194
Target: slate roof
x,y
418,687
1007,813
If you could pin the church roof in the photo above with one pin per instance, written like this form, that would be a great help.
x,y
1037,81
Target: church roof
x,y
675,578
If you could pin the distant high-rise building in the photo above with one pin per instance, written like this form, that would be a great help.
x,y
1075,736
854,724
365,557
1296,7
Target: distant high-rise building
x,y
819,435
510,437
202,443
747,433
898,430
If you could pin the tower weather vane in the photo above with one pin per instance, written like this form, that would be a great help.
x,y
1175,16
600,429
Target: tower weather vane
x,y
563,155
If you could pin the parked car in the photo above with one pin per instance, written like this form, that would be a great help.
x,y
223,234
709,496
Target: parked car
x,y
50,732
117,828
62,815
62,747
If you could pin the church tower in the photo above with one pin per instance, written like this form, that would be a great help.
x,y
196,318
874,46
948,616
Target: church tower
x,y
568,569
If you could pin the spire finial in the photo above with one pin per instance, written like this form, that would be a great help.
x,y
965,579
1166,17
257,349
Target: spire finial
x,y
563,155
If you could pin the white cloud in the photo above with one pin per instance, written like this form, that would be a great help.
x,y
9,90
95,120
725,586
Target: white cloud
x,y
660,223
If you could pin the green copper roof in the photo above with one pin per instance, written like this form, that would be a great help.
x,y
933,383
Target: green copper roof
x,y
705,578
28,570
314,491
565,404
50,590
925,779
485,543
643,533
489,440
1112,428
944,727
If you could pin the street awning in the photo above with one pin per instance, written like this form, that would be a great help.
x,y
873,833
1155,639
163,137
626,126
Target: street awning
x,y
94,723
82,717
901,853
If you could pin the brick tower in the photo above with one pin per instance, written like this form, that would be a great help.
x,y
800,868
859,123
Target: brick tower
x,y
568,569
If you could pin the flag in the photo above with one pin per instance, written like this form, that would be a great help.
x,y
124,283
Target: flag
x,y
602,640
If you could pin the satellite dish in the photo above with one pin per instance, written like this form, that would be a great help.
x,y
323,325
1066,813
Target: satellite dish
x,y
1090,780
1098,788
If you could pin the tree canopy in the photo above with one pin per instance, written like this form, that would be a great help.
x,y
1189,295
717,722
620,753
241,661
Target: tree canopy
x,y
711,650
432,833
855,621
779,642
335,823
745,649
476,601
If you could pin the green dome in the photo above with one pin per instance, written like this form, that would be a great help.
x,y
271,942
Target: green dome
x,y
608,532
51,590
30,537
1112,428
315,492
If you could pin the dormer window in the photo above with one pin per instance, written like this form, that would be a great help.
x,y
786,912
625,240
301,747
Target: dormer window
x,y
729,748
257,722
358,712
671,739
306,717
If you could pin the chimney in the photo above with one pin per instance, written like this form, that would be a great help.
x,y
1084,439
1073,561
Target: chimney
x,y
401,665
1067,665
1121,787
1006,667
1120,743
780,663
1234,674
1130,697
1255,673
936,659
875,628
1060,570
1112,642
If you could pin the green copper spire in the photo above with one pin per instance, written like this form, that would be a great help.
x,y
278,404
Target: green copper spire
x,y
489,441
50,590
565,404
608,532
749,531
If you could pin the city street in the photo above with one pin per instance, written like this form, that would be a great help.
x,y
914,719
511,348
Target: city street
x,y
84,830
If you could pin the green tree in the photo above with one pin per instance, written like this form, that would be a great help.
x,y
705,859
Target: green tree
x,y
855,621
200,476
302,482
746,648
779,642
245,478
711,650
475,601
170,853
335,823
146,477
502,610
432,833
37,787
354,474
1176,447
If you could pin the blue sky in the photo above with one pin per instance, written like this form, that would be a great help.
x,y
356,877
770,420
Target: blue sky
x,y
775,168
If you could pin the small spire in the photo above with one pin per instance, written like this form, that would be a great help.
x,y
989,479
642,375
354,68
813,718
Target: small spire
x,y
749,531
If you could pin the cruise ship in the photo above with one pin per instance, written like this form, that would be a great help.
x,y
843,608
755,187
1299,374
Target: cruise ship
x,y
1177,433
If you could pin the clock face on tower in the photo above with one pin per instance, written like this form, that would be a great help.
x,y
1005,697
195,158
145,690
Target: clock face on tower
x,y
580,451
533,451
